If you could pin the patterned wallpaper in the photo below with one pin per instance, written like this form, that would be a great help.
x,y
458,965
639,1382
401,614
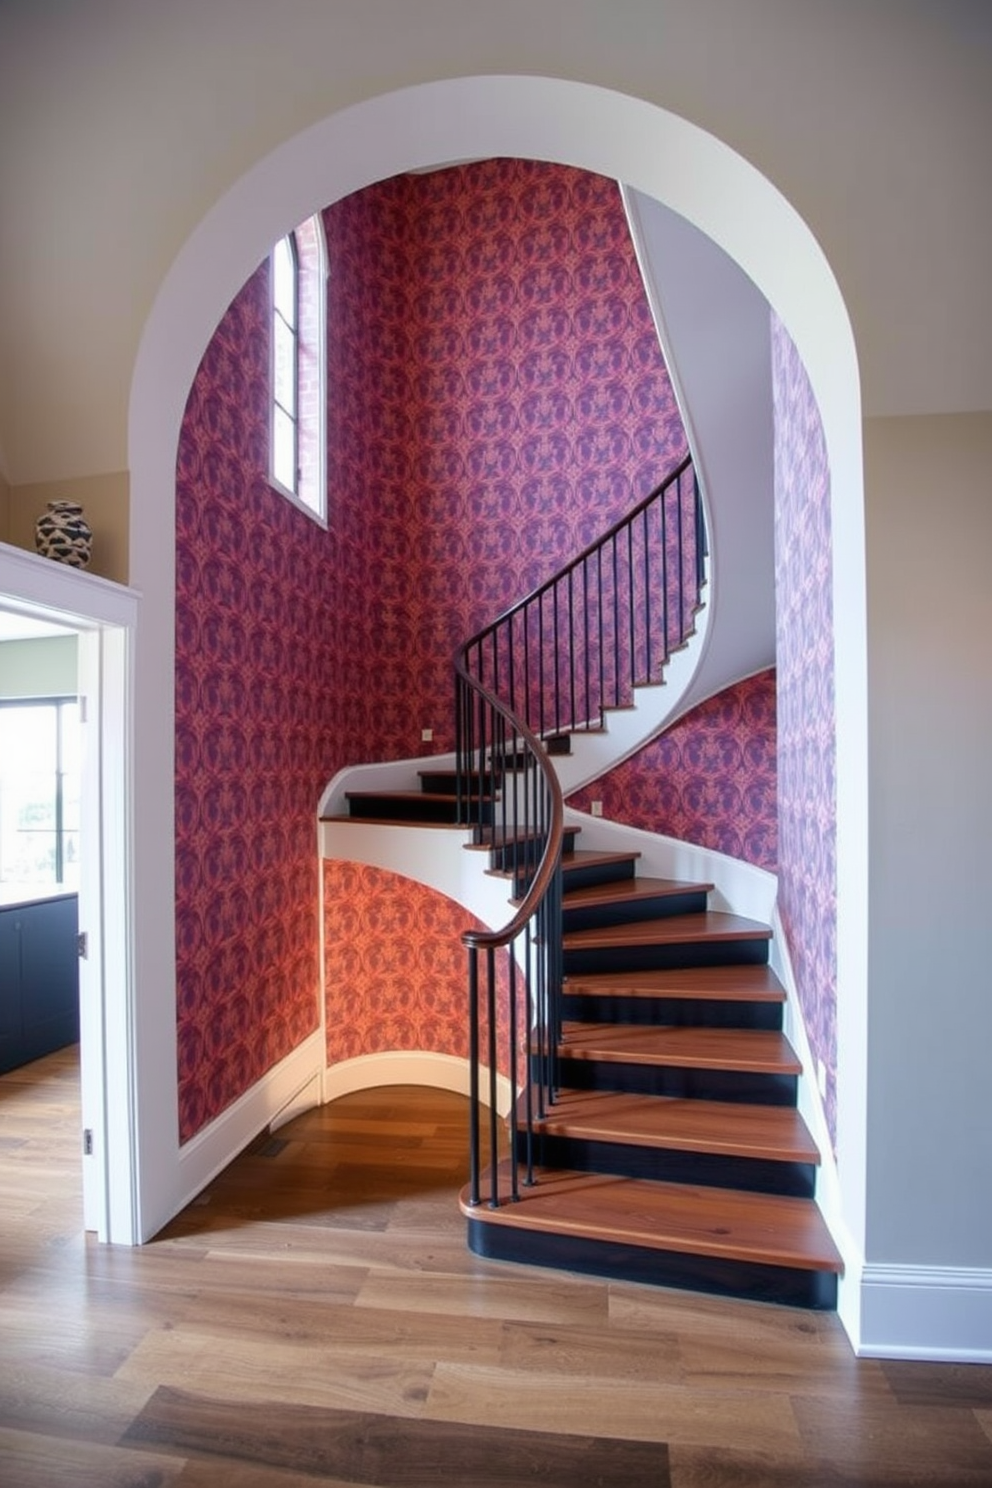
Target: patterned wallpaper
x,y
496,398
709,779
396,968
255,731
806,789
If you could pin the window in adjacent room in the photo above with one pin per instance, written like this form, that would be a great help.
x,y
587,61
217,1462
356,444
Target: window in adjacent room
x,y
298,316
39,792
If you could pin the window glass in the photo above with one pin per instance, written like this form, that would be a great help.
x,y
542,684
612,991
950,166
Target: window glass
x,y
39,792
297,414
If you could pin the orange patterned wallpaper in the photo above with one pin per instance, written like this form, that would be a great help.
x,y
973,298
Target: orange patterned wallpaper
x,y
395,965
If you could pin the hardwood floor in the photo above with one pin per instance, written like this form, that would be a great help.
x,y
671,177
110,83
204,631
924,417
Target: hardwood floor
x,y
316,1318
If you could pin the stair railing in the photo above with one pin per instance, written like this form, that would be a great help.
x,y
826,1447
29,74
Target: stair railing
x,y
607,622
510,794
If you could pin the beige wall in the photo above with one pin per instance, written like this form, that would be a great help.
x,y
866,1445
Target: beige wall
x,y
928,543
4,510
104,499
41,668
874,129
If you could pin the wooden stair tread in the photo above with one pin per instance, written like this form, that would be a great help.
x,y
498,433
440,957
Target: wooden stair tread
x,y
711,925
739,1049
714,983
726,1223
774,1133
629,890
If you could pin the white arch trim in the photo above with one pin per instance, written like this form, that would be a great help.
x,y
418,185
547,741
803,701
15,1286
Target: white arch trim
x,y
432,124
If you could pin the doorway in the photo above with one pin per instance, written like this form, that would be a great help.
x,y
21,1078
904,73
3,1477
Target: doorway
x,y
42,595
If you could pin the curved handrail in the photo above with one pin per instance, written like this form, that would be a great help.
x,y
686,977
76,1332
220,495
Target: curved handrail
x,y
589,551
606,622
528,829
484,939
616,612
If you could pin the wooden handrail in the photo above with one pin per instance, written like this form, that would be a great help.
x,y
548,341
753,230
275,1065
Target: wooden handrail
x,y
589,551
496,939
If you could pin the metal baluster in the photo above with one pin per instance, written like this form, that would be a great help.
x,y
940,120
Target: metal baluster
x,y
571,650
602,639
514,1080
585,643
473,1074
529,1084
526,710
664,575
493,1075
557,651
630,601
616,628
540,662
647,598
681,589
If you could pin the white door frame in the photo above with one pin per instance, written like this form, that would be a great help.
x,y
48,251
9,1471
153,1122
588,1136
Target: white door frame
x,y
105,617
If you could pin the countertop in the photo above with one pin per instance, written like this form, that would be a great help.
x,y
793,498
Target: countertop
x,y
18,896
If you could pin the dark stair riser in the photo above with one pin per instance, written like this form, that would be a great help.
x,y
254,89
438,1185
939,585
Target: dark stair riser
x,y
792,1179
592,875
592,960
677,1012
746,1087
631,911
755,1281
522,855
446,782
413,808
583,876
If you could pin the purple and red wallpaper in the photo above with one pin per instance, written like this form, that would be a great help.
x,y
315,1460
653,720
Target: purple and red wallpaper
x,y
496,397
710,779
256,729
807,807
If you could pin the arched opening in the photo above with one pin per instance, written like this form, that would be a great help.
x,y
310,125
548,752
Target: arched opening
x,y
657,154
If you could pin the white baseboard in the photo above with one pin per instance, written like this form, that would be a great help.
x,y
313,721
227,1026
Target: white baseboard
x,y
210,1151
926,1312
409,1067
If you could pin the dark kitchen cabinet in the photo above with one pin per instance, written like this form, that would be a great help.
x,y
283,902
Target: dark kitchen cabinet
x,y
39,978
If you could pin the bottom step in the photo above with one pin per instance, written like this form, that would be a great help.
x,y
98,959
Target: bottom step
x,y
759,1246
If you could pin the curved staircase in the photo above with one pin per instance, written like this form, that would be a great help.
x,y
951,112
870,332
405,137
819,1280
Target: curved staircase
x,y
655,1134
672,1151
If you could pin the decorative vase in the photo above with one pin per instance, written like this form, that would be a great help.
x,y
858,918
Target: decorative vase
x,y
63,533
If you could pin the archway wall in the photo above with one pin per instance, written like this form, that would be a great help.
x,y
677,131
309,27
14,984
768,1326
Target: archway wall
x,y
607,132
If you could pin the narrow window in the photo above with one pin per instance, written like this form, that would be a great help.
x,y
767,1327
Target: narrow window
x,y
298,275
285,364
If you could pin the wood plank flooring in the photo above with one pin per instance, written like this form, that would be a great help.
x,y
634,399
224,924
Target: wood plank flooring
x,y
316,1318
